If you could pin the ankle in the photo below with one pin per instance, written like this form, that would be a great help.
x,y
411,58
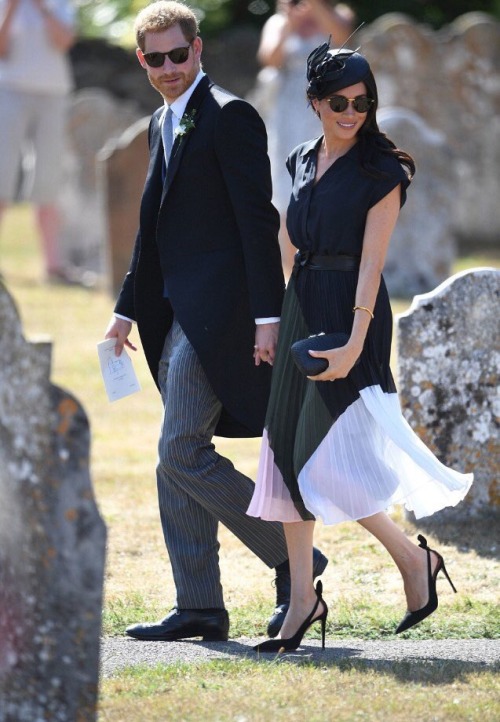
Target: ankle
x,y
411,560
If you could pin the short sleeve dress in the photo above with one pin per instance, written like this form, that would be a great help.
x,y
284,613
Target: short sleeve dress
x,y
341,450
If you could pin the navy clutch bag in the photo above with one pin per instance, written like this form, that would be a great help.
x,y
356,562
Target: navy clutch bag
x,y
308,365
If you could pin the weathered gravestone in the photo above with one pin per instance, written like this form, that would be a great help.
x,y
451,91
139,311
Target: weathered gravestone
x,y
422,247
52,540
122,167
448,368
95,116
470,48
451,78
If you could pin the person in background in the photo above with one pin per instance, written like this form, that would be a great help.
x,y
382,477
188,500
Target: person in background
x,y
205,287
35,81
287,38
335,444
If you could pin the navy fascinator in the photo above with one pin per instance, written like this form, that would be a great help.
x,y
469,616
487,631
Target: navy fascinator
x,y
330,69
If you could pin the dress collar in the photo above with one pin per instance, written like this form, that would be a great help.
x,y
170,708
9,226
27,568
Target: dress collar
x,y
312,147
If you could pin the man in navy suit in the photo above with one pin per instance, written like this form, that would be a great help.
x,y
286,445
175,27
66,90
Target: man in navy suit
x,y
205,286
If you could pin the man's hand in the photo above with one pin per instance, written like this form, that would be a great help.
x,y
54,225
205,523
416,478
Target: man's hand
x,y
119,328
266,338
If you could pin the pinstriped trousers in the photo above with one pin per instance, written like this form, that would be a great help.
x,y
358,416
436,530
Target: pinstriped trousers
x,y
197,487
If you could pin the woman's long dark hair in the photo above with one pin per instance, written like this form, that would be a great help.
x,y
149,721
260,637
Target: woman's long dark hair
x,y
372,139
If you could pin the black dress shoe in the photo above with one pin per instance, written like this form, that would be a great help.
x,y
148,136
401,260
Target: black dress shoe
x,y
283,585
211,624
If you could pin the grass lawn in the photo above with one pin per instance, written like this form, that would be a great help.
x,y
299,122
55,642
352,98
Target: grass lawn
x,y
362,587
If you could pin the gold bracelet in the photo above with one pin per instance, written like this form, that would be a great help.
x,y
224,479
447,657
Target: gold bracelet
x,y
363,308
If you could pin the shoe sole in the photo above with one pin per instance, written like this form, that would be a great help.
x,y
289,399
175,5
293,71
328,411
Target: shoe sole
x,y
216,638
205,637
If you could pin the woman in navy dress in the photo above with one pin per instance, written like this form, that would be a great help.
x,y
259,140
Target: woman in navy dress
x,y
343,450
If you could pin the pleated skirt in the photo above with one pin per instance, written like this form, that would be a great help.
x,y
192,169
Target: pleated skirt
x,y
342,450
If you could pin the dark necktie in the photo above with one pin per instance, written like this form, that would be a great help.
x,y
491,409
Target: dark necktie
x,y
168,141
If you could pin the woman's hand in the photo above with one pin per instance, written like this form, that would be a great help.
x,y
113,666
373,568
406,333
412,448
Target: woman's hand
x,y
340,362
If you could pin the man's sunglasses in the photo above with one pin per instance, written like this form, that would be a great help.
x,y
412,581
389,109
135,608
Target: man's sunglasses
x,y
361,103
176,56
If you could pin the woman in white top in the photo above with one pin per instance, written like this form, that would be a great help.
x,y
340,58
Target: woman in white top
x,y
35,80
287,38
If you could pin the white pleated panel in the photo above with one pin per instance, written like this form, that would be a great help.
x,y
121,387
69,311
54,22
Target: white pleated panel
x,y
372,459
445,486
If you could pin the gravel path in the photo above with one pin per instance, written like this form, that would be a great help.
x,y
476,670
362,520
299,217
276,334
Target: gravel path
x,y
120,652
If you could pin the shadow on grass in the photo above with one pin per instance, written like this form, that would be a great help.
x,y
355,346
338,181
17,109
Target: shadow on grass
x,y
431,663
479,533
403,662
430,671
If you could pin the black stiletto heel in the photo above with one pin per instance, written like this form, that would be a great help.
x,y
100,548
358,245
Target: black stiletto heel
x,y
275,645
412,618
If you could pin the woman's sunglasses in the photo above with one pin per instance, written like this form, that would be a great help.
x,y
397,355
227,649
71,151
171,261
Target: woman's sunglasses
x,y
177,56
361,103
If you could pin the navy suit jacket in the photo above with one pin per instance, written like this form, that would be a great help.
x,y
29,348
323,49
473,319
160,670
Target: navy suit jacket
x,y
210,232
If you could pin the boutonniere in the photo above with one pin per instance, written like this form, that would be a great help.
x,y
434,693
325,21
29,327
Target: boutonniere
x,y
186,125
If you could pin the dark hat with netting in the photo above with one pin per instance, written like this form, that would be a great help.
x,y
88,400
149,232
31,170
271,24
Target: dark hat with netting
x,y
331,69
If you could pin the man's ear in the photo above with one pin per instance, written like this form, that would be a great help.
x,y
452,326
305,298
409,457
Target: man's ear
x,y
140,57
197,46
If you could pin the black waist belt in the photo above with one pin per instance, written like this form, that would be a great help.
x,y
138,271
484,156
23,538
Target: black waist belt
x,y
317,262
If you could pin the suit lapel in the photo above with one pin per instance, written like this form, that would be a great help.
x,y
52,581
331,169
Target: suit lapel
x,y
193,109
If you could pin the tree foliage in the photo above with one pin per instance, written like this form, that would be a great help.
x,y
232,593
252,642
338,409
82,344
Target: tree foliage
x,y
113,19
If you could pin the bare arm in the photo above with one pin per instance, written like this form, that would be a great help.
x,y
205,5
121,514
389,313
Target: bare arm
x,y
336,21
274,34
5,26
380,224
61,36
